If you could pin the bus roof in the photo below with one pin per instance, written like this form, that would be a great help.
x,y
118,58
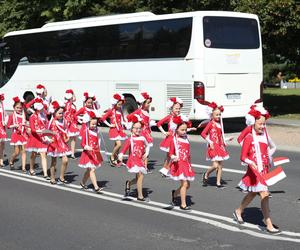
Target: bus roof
x,y
123,18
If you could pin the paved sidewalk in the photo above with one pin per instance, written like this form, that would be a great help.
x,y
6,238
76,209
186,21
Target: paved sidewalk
x,y
284,122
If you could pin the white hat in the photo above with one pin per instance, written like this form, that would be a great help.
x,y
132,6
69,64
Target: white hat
x,y
174,100
38,104
117,98
40,89
69,94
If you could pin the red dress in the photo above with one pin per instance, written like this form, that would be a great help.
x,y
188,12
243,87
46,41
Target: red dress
x,y
90,158
146,130
243,134
19,134
250,182
82,111
137,148
71,119
181,169
37,142
116,118
212,133
3,135
165,143
58,147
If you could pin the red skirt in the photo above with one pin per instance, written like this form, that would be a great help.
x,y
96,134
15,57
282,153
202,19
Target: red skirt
x,y
136,165
165,144
3,135
90,159
219,153
181,170
36,144
18,139
58,149
73,129
116,135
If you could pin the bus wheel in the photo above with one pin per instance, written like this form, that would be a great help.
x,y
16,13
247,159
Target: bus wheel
x,y
28,96
129,106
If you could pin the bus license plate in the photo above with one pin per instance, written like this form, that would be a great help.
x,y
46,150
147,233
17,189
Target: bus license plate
x,y
233,96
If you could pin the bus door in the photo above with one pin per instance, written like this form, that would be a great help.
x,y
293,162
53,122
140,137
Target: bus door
x,y
4,64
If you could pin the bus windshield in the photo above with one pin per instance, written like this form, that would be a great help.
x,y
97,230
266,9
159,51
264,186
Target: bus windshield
x,y
5,72
230,33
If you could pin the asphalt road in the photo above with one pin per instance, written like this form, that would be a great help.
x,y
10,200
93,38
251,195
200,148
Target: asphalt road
x,y
37,215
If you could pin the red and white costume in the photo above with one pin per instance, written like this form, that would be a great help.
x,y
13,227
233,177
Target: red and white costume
x,y
46,101
213,133
116,118
71,119
3,135
146,129
250,182
90,158
138,147
165,143
58,147
37,142
182,168
19,134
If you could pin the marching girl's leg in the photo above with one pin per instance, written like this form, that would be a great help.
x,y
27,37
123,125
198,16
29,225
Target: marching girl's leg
x,y
206,174
32,163
72,146
245,202
64,165
219,175
14,156
1,153
53,170
23,157
139,185
44,165
85,178
115,151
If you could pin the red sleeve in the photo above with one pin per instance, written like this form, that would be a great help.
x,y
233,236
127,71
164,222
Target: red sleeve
x,y
83,139
29,104
206,130
246,147
125,146
10,121
132,114
31,123
163,121
106,115
80,111
243,134
172,150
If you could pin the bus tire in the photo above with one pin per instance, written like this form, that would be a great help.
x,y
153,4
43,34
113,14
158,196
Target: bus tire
x,y
130,105
28,96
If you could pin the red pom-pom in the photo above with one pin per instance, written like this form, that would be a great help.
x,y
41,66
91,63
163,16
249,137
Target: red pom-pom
x,y
16,99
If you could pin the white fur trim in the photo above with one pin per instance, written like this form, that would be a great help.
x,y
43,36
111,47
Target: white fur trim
x,y
218,158
250,120
89,165
165,171
137,169
18,143
40,91
70,134
258,188
118,138
38,106
68,96
37,150
182,178
53,154
169,104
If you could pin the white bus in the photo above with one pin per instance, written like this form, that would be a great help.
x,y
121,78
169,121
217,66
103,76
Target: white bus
x,y
198,56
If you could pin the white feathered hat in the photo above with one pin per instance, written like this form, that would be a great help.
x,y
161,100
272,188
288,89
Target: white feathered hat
x,y
174,100
117,98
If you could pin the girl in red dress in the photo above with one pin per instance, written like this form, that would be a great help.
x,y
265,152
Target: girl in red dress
x,y
71,119
38,140
91,158
143,112
116,130
181,167
58,147
213,133
255,154
174,104
3,135
138,152
90,105
17,122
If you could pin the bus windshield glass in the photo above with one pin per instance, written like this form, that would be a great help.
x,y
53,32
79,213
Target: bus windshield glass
x,y
5,70
230,33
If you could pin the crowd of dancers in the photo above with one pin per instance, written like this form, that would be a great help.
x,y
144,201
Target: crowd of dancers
x,y
50,128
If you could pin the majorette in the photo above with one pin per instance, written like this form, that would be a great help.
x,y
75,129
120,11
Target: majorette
x,y
17,122
70,114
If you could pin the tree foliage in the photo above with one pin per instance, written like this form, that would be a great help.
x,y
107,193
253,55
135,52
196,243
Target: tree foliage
x,y
279,19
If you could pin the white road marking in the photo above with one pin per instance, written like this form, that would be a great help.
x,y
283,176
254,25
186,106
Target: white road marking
x,y
193,215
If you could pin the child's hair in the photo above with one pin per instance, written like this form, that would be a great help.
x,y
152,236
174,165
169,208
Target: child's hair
x,y
16,103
